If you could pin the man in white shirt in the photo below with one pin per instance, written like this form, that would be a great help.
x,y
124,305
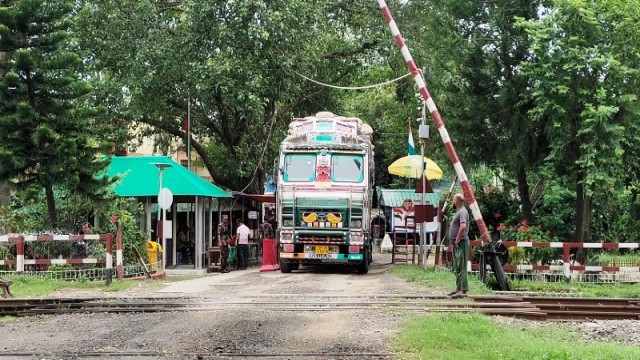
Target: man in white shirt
x,y
242,234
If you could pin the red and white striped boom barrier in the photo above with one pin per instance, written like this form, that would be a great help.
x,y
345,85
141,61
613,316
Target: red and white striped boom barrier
x,y
435,115
566,247
20,241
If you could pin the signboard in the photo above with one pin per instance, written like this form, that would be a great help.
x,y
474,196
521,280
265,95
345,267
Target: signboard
x,y
165,198
253,215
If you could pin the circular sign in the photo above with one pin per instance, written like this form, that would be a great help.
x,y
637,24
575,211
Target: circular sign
x,y
165,198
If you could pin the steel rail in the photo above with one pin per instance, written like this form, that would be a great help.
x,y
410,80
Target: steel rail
x,y
199,354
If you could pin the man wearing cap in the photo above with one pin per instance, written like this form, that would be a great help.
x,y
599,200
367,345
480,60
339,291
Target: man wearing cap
x,y
243,244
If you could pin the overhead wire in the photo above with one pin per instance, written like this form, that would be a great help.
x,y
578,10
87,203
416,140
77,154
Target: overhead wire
x,y
352,87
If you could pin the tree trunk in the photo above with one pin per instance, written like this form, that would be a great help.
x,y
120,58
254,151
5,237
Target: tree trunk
x,y
525,197
583,210
51,206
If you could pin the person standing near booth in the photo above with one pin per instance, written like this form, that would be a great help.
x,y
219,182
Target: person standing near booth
x,y
243,244
459,237
224,233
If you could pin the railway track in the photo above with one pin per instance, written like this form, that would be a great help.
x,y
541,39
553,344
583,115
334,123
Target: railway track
x,y
194,355
528,307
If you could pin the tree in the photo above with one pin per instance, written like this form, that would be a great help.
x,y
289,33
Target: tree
x,y
236,61
49,132
584,75
474,73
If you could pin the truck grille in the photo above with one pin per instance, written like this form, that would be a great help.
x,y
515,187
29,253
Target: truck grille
x,y
321,239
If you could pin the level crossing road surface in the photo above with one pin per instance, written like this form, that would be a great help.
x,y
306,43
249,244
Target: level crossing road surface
x,y
301,331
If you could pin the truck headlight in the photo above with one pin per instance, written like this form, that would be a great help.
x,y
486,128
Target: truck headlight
x,y
287,222
286,237
356,238
356,223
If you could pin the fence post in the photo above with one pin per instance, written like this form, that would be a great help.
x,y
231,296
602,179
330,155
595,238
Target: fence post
x,y
119,269
566,264
19,254
109,260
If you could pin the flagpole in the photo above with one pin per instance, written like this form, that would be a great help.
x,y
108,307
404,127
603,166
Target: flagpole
x,y
189,132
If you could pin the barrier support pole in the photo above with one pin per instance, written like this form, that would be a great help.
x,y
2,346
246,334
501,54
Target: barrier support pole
x,y
20,254
566,263
109,260
119,268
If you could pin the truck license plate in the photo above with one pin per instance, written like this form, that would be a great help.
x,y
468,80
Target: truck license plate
x,y
322,250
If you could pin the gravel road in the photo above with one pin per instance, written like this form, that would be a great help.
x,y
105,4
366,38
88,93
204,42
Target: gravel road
x,y
231,333
246,332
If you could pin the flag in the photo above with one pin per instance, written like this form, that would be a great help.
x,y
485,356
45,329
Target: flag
x,y
186,128
411,148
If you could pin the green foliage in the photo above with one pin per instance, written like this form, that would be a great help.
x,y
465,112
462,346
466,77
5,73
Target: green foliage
x,y
30,217
51,133
580,289
28,211
126,211
29,286
516,255
474,336
616,259
236,61
442,281
583,74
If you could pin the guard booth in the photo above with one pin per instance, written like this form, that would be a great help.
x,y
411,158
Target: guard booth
x,y
399,208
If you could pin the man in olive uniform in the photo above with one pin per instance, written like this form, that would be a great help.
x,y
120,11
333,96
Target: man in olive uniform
x,y
224,233
459,237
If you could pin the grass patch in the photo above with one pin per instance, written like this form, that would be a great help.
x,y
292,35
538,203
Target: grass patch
x,y
6,319
580,289
30,286
474,336
437,280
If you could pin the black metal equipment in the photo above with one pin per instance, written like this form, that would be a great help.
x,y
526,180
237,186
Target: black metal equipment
x,y
495,254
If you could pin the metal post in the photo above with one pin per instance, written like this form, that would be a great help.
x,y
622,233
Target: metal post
x,y
119,260
19,254
164,216
189,133
109,260
174,236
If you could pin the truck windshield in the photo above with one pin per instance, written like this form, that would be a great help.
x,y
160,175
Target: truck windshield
x,y
347,168
299,167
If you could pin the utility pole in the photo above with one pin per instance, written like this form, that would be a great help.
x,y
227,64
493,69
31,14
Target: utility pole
x,y
423,135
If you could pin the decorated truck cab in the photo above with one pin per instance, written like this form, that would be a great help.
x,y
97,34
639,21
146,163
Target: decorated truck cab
x,y
324,192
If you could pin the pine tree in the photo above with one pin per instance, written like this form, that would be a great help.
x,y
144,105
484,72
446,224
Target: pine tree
x,y
50,132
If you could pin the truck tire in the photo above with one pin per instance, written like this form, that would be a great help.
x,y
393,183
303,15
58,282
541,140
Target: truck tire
x,y
285,268
363,267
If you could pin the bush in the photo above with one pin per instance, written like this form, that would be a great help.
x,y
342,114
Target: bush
x,y
516,255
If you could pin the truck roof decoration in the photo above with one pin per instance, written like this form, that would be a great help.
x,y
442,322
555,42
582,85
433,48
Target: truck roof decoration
x,y
327,129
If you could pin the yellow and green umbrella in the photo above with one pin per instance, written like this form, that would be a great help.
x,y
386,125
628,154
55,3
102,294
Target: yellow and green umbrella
x,y
409,167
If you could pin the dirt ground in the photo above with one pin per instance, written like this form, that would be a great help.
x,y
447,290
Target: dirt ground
x,y
229,333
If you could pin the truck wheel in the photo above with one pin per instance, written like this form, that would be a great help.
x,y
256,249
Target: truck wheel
x,y
363,267
285,267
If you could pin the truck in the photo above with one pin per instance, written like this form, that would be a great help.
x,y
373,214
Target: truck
x,y
325,179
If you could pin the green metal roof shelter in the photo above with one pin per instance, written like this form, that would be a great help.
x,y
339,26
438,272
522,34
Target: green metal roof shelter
x,y
140,177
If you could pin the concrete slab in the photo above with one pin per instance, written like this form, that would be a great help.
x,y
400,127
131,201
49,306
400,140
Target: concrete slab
x,y
204,283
